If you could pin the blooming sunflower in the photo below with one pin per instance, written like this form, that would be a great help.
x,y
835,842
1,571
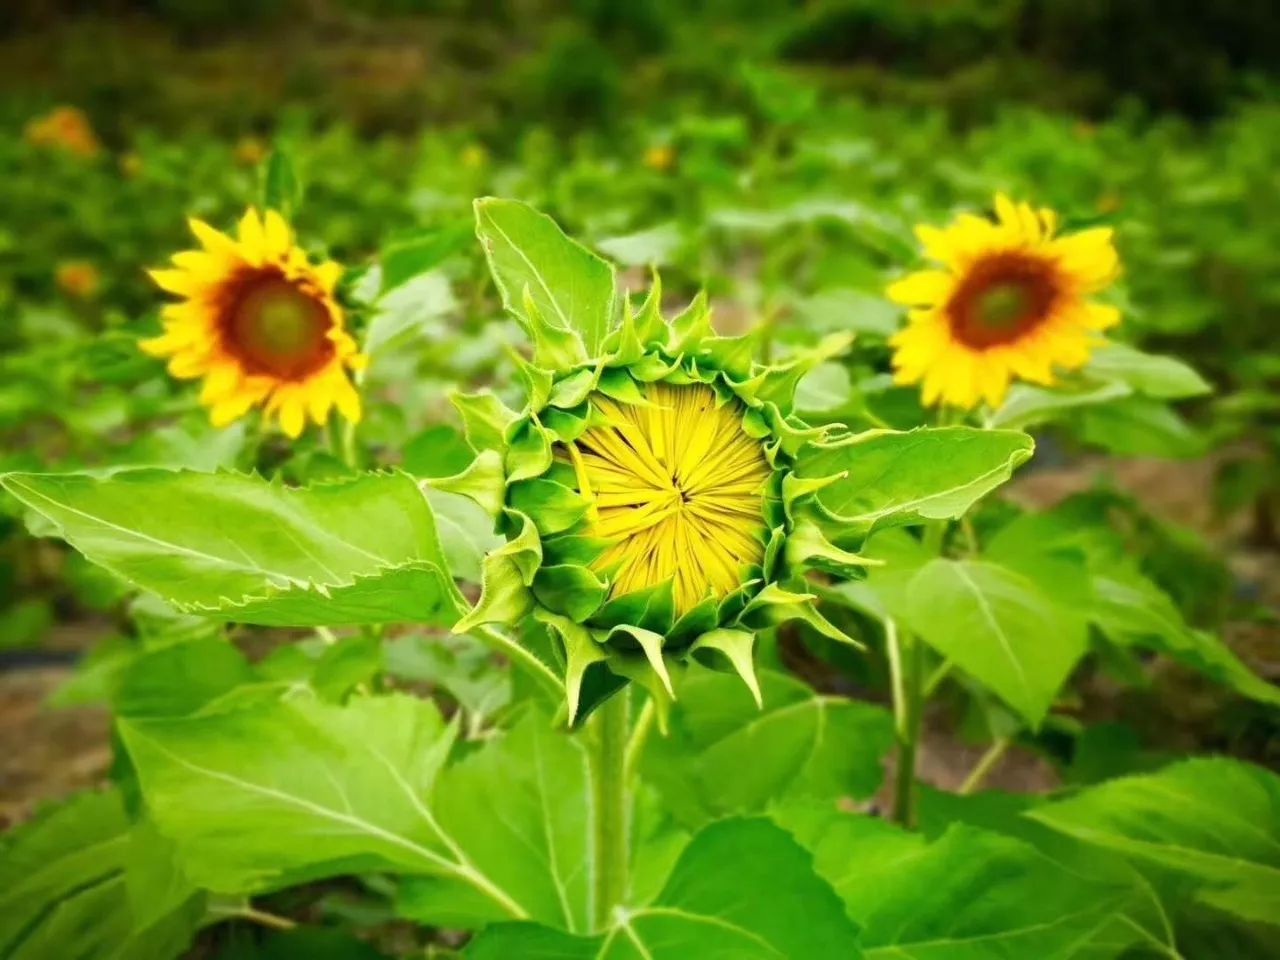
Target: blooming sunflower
x,y
260,324
1011,299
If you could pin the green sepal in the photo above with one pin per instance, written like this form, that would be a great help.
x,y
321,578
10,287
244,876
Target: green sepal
x,y
692,623
617,383
482,481
732,605
731,649
808,546
553,507
775,605
537,382
567,424
505,578
771,564
778,384
485,419
577,549
584,664
650,644
690,327
570,590
554,348
570,391
529,452
796,488
653,367
652,608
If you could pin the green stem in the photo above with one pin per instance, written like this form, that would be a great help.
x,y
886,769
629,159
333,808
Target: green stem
x,y
912,714
986,763
520,657
639,736
609,782
910,695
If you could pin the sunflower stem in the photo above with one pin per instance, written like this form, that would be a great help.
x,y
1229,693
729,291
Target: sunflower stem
x,y
609,782
986,763
907,673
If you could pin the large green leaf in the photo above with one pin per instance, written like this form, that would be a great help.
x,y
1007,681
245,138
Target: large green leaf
x,y
65,884
742,890
284,791
1166,378
1123,603
570,287
238,547
1132,610
887,478
521,811
1215,821
726,755
1000,626
969,895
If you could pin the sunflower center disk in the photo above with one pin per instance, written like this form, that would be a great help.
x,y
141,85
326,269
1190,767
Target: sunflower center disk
x,y
1002,298
678,488
279,329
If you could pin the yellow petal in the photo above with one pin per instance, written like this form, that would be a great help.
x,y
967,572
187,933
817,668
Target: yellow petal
x,y
923,288
175,281
277,237
292,416
215,241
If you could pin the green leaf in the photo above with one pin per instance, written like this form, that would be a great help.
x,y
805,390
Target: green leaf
x,y
741,889
412,310
281,189
520,810
1214,821
1140,426
1131,610
1000,626
892,478
725,755
970,895
64,888
572,288
408,257
282,792
237,547
1165,378
1028,405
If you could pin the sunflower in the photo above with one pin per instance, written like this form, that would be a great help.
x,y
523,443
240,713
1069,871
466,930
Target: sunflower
x,y
677,488
259,322
1011,299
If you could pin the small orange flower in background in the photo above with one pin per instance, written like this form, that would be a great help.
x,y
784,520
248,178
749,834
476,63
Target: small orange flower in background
x,y
474,156
66,128
1009,300
78,279
249,151
259,323
660,157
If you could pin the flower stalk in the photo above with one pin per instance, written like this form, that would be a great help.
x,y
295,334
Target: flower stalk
x,y
609,777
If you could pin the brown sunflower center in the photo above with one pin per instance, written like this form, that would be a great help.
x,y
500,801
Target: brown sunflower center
x,y
1002,298
278,329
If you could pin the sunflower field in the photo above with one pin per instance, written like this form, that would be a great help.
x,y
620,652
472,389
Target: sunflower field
x,y
566,480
